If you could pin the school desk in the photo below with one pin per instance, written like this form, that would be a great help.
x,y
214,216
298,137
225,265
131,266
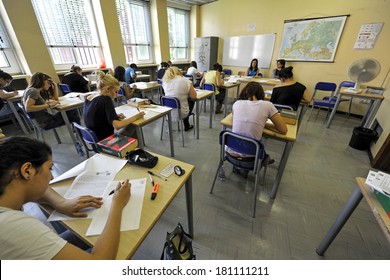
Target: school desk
x,y
144,87
288,140
151,114
151,209
202,94
10,102
375,102
362,190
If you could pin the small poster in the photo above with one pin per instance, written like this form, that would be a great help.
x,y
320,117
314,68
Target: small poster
x,y
368,35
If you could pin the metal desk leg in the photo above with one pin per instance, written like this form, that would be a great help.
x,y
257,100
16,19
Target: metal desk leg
x,y
282,165
140,136
333,111
343,217
371,112
171,133
225,102
21,123
69,127
197,117
212,99
190,213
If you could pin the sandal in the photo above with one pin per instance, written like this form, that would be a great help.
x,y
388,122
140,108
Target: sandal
x,y
188,128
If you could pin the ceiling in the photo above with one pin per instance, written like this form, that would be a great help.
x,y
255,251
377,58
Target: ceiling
x,y
192,2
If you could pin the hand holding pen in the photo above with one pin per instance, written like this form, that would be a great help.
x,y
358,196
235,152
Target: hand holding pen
x,y
121,194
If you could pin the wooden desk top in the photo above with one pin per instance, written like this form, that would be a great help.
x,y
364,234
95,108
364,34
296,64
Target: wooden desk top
x,y
67,103
202,94
143,86
151,209
291,129
376,207
263,81
362,94
230,85
151,114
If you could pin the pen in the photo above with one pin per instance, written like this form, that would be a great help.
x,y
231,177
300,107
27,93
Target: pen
x,y
138,109
151,180
151,173
111,192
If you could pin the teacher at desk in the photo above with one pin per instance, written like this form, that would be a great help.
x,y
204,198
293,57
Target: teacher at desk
x,y
289,92
99,112
25,173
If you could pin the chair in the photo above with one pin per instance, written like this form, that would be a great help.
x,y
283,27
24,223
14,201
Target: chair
x,y
65,88
241,73
211,87
347,84
37,129
287,107
87,137
190,77
174,103
121,99
328,101
243,145
227,71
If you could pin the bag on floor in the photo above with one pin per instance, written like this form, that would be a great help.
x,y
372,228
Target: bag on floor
x,y
178,245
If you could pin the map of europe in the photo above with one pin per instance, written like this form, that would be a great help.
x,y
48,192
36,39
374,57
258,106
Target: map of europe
x,y
311,40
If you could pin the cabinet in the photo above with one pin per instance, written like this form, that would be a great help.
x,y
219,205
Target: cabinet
x,y
206,52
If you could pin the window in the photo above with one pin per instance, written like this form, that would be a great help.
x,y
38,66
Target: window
x,y
134,22
69,30
178,27
8,60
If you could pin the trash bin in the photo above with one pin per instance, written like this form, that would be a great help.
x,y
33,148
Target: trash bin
x,y
362,138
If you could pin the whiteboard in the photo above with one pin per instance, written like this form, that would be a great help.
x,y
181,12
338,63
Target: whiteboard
x,y
240,50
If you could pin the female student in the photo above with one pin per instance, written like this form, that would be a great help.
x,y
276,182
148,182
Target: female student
x,y
41,94
119,74
250,115
99,112
5,93
174,84
280,64
75,80
192,70
25,173
253,69
289,92
214,77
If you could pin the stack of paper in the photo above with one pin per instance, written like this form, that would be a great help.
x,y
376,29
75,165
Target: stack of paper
x,y
379,181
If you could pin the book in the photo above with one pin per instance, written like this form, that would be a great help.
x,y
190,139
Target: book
x,y
385,202
117,145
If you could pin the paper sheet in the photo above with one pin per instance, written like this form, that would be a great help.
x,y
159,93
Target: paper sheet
x,y
127,110
131,216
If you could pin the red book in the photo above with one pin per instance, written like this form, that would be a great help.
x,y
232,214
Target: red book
x,y
117,145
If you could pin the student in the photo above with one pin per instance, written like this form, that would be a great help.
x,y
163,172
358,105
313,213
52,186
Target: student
x,y
169,63
192,70
41,94
99,112
161,71
214,77
289,92
6,92
280,64
119,74
130,74
176,85
75,80
25,173
253,69
250,115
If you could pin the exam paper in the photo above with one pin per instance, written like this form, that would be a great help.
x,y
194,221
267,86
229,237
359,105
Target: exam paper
x,y
379,181
131,216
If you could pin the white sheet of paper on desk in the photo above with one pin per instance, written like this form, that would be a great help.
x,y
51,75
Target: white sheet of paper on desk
x,y
233,79
131,216
379,181
87,183
127,110
73,94
158,109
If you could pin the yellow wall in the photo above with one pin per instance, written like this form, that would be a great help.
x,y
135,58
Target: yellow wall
x,y
225,18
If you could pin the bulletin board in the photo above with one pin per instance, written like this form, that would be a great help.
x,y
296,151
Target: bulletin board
x,y
240,50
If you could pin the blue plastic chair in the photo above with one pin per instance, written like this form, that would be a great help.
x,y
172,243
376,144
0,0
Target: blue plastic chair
x,y
65,88
346,84
242,145
211,87
174,103
227,71
87,137
326,102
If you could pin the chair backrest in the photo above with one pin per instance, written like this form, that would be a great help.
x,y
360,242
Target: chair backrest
x,y
242,144
170,101
65,88
21,106
325,86
159,81
287,107
87,134
207,86
190,77
227,71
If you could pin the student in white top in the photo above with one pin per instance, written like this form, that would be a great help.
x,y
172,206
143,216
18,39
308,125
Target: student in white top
x,y
196,75
25,173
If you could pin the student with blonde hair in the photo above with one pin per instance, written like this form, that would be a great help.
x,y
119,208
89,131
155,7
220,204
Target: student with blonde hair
x,y
175,85
99,112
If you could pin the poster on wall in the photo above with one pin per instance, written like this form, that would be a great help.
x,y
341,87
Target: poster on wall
x,y
314,39
367,36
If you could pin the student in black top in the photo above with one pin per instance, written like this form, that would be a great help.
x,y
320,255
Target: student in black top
x,y
280,64
6,92
161,71
75,80
99,112
289,92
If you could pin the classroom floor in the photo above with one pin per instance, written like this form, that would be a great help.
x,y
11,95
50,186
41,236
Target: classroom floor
x,y
318,180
